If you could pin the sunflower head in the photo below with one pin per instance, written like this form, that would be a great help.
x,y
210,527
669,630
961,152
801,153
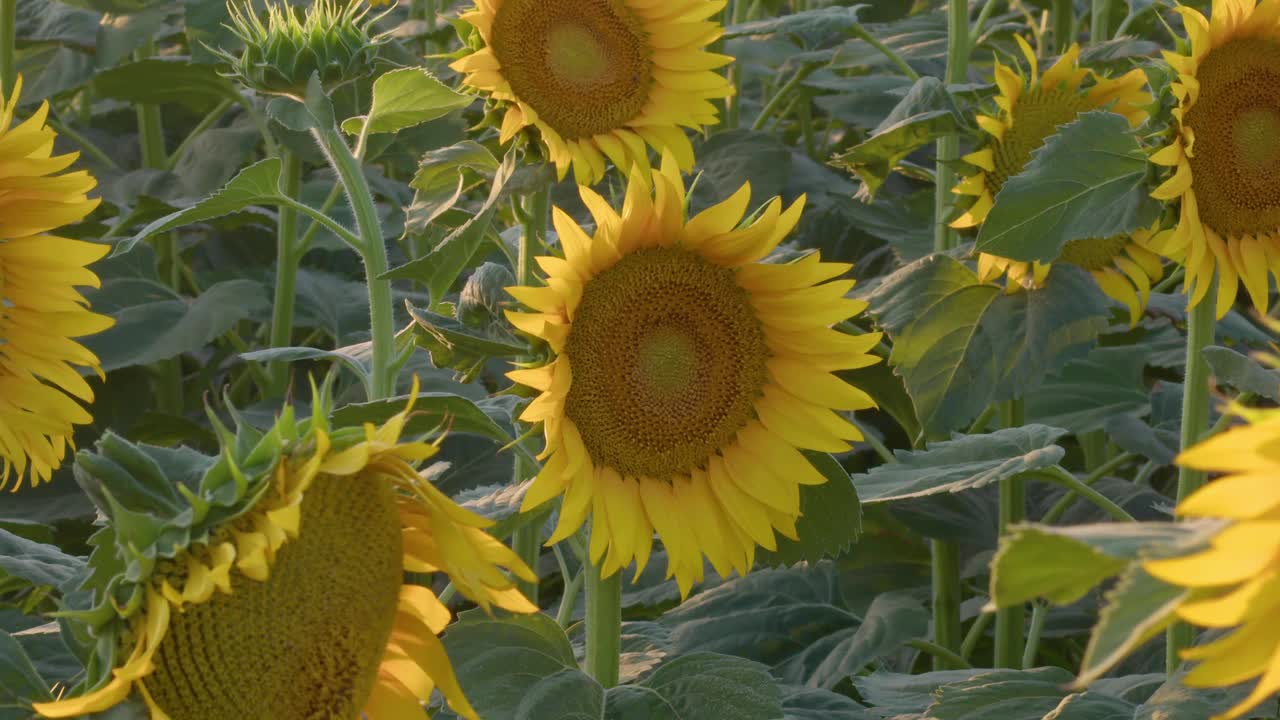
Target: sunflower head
x,y
687,376
1225,151
599,78
1029,109
41,311
211,576
1235,583
329,38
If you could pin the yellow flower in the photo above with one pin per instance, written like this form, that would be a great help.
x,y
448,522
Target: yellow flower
x,y
1225,148
1030,111
295,605
687,373
40,308
600,78
1236,582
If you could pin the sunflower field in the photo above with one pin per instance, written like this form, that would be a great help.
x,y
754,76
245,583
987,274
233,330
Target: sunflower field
x,y
639,359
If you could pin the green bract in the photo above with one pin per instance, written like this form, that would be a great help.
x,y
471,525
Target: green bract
x,y
330,39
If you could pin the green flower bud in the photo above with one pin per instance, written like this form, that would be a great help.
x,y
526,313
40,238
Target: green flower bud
x,y
478,305
331,39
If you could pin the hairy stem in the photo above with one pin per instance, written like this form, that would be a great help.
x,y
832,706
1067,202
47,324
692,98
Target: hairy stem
x,y
1013,509
949,146
946,603
287,259
604,625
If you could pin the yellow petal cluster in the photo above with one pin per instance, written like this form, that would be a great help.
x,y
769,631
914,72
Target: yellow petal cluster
x,y
246,555
1236,581
1224,152
600,78
1030,110
688,375
41,312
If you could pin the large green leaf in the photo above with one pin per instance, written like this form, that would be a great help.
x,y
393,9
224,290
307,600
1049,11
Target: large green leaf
x,y
1089,180
1175,701
802,703
166,80
821,26
404,98
1004,694
963,463
258,184
830,517
696,686
431,411
1137,609
153,323
20,683
1243,373
1089,392
977,345
37,563
924,115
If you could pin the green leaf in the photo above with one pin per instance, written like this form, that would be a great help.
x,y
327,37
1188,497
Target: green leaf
x,y
893,694
352,362
963,463
1063,563
431,411
1175,701
20,683
486,652
440,180
696,686
258,184
456,346
1137,609
1089,392
830,517
1006,694
166,80
893,619
924,115
37,563
802,703
1089,180
153,323
978,345
404,98
811,25
1243,373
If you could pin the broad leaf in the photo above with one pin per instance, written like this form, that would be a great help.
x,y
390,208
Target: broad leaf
x,y
258,184
964,463
166,80
1243,373
404,98
802,703
20,683
37,563
696,686
1004,694
1137,609
1092,391
1089,180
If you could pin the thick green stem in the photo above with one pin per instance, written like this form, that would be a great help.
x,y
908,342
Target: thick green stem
x,y
1062,478
946,602
1064,20
783,93
949,147
527,539
604,625
287,258
1195,421
1010,621
1100,22
8,47
983,15
374,251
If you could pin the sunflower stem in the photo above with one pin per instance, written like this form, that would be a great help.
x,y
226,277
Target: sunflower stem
x,y
287,259
946,603
1010,621
373,250
976,631
8,46
1038,615
949,146
1195,421
526,541
1100,22
784,93
870,39
1064,21
604,625
950,658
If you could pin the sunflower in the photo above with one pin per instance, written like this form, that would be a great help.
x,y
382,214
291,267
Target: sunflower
x,y
274,586
687,375
1236,581
40,309
1030,111
600,78
1225,151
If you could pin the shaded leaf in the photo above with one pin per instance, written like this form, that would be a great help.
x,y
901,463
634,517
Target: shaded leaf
x,y
37,563
699,686
166,80
830,517
1243,373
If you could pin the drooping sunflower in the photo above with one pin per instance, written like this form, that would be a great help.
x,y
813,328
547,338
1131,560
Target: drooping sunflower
x,y
272,586
687,376
40,308
1226,151
1030,109
1236,581
600,78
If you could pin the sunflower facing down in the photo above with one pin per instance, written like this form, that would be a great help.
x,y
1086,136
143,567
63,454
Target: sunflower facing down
x,y
1030,111
274,588
600,78
1226,152
687,375
40,309
1236,582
